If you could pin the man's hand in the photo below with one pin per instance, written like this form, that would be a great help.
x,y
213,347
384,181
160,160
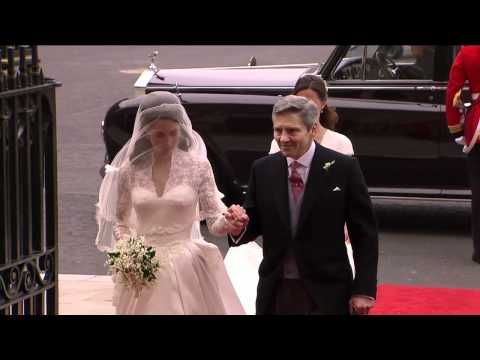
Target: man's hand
x,y
237,219
360,305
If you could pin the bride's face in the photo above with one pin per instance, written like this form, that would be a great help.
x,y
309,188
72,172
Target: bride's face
x,y
164,136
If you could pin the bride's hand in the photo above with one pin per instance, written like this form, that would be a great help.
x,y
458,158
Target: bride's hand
x,y
237,214
237,219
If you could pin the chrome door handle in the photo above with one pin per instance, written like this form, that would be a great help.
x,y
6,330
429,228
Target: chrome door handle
x,y
431,88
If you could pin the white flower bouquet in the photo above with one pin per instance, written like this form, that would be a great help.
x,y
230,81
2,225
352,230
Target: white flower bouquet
x,y
133,263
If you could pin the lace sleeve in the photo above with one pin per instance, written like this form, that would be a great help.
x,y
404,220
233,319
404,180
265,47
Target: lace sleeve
x,y
124,205
211,205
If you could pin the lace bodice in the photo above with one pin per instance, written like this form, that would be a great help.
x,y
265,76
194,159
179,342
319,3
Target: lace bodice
x,y
190,195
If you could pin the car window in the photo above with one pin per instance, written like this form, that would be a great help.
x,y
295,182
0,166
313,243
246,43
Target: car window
x,y
351,66
386,62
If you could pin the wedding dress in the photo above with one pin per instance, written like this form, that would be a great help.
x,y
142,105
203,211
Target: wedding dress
x,y
192,278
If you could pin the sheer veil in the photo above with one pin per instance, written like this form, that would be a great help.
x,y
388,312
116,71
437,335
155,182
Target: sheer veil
x,y
137,154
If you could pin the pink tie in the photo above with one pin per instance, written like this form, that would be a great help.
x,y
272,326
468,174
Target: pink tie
x,y
296,181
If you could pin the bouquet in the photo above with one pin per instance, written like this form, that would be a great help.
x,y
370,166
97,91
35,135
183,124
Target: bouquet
x,y
133,263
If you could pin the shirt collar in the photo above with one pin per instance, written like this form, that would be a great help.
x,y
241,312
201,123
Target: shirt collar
x,y
306,159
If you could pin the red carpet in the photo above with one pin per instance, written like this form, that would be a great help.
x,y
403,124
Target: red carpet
x,y
416,300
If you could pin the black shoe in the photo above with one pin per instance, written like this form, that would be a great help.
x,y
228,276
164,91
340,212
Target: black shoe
x,y
476,258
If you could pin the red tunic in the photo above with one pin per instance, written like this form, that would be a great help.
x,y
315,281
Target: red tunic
x,y
465,67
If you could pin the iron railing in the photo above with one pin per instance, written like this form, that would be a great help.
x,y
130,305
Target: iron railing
x,y
28,185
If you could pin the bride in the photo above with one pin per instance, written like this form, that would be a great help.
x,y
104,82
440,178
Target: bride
x,y
161,185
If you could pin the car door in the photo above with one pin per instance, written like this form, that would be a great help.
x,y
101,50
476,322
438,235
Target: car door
x,y
388,107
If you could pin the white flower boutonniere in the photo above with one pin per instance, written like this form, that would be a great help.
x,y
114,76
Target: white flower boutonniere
x,y
327,165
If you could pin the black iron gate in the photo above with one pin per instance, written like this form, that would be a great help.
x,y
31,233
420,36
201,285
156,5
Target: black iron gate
x,y
28,185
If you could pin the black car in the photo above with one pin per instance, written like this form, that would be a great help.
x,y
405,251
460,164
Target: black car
x,y
390,101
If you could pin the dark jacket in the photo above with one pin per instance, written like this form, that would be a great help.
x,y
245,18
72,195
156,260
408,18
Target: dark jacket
x,y
319,244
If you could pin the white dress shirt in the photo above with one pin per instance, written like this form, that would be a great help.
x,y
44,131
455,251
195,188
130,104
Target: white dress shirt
x,y
306,161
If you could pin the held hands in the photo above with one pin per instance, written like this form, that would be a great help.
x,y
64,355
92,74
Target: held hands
x,y
360,305
236,219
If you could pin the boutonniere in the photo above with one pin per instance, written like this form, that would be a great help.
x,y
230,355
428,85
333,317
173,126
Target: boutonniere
x,y
327,165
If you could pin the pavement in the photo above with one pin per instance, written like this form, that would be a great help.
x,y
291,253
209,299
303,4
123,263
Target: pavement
x,y
85,295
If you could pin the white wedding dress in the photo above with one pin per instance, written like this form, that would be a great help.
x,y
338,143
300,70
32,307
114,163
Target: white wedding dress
x,y
242,262
192,278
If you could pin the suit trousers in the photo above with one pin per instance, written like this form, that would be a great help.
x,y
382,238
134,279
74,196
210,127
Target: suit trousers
x,y
473,164
292,298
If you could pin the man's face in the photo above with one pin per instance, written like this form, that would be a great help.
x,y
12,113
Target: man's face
x,y
292,136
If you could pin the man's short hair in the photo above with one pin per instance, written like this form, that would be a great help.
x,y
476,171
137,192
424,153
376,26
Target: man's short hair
x,y
306,109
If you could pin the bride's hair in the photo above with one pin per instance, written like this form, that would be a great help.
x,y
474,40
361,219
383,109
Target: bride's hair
x,y
142,150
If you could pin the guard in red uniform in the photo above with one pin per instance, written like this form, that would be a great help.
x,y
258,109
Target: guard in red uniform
x,y
467,67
